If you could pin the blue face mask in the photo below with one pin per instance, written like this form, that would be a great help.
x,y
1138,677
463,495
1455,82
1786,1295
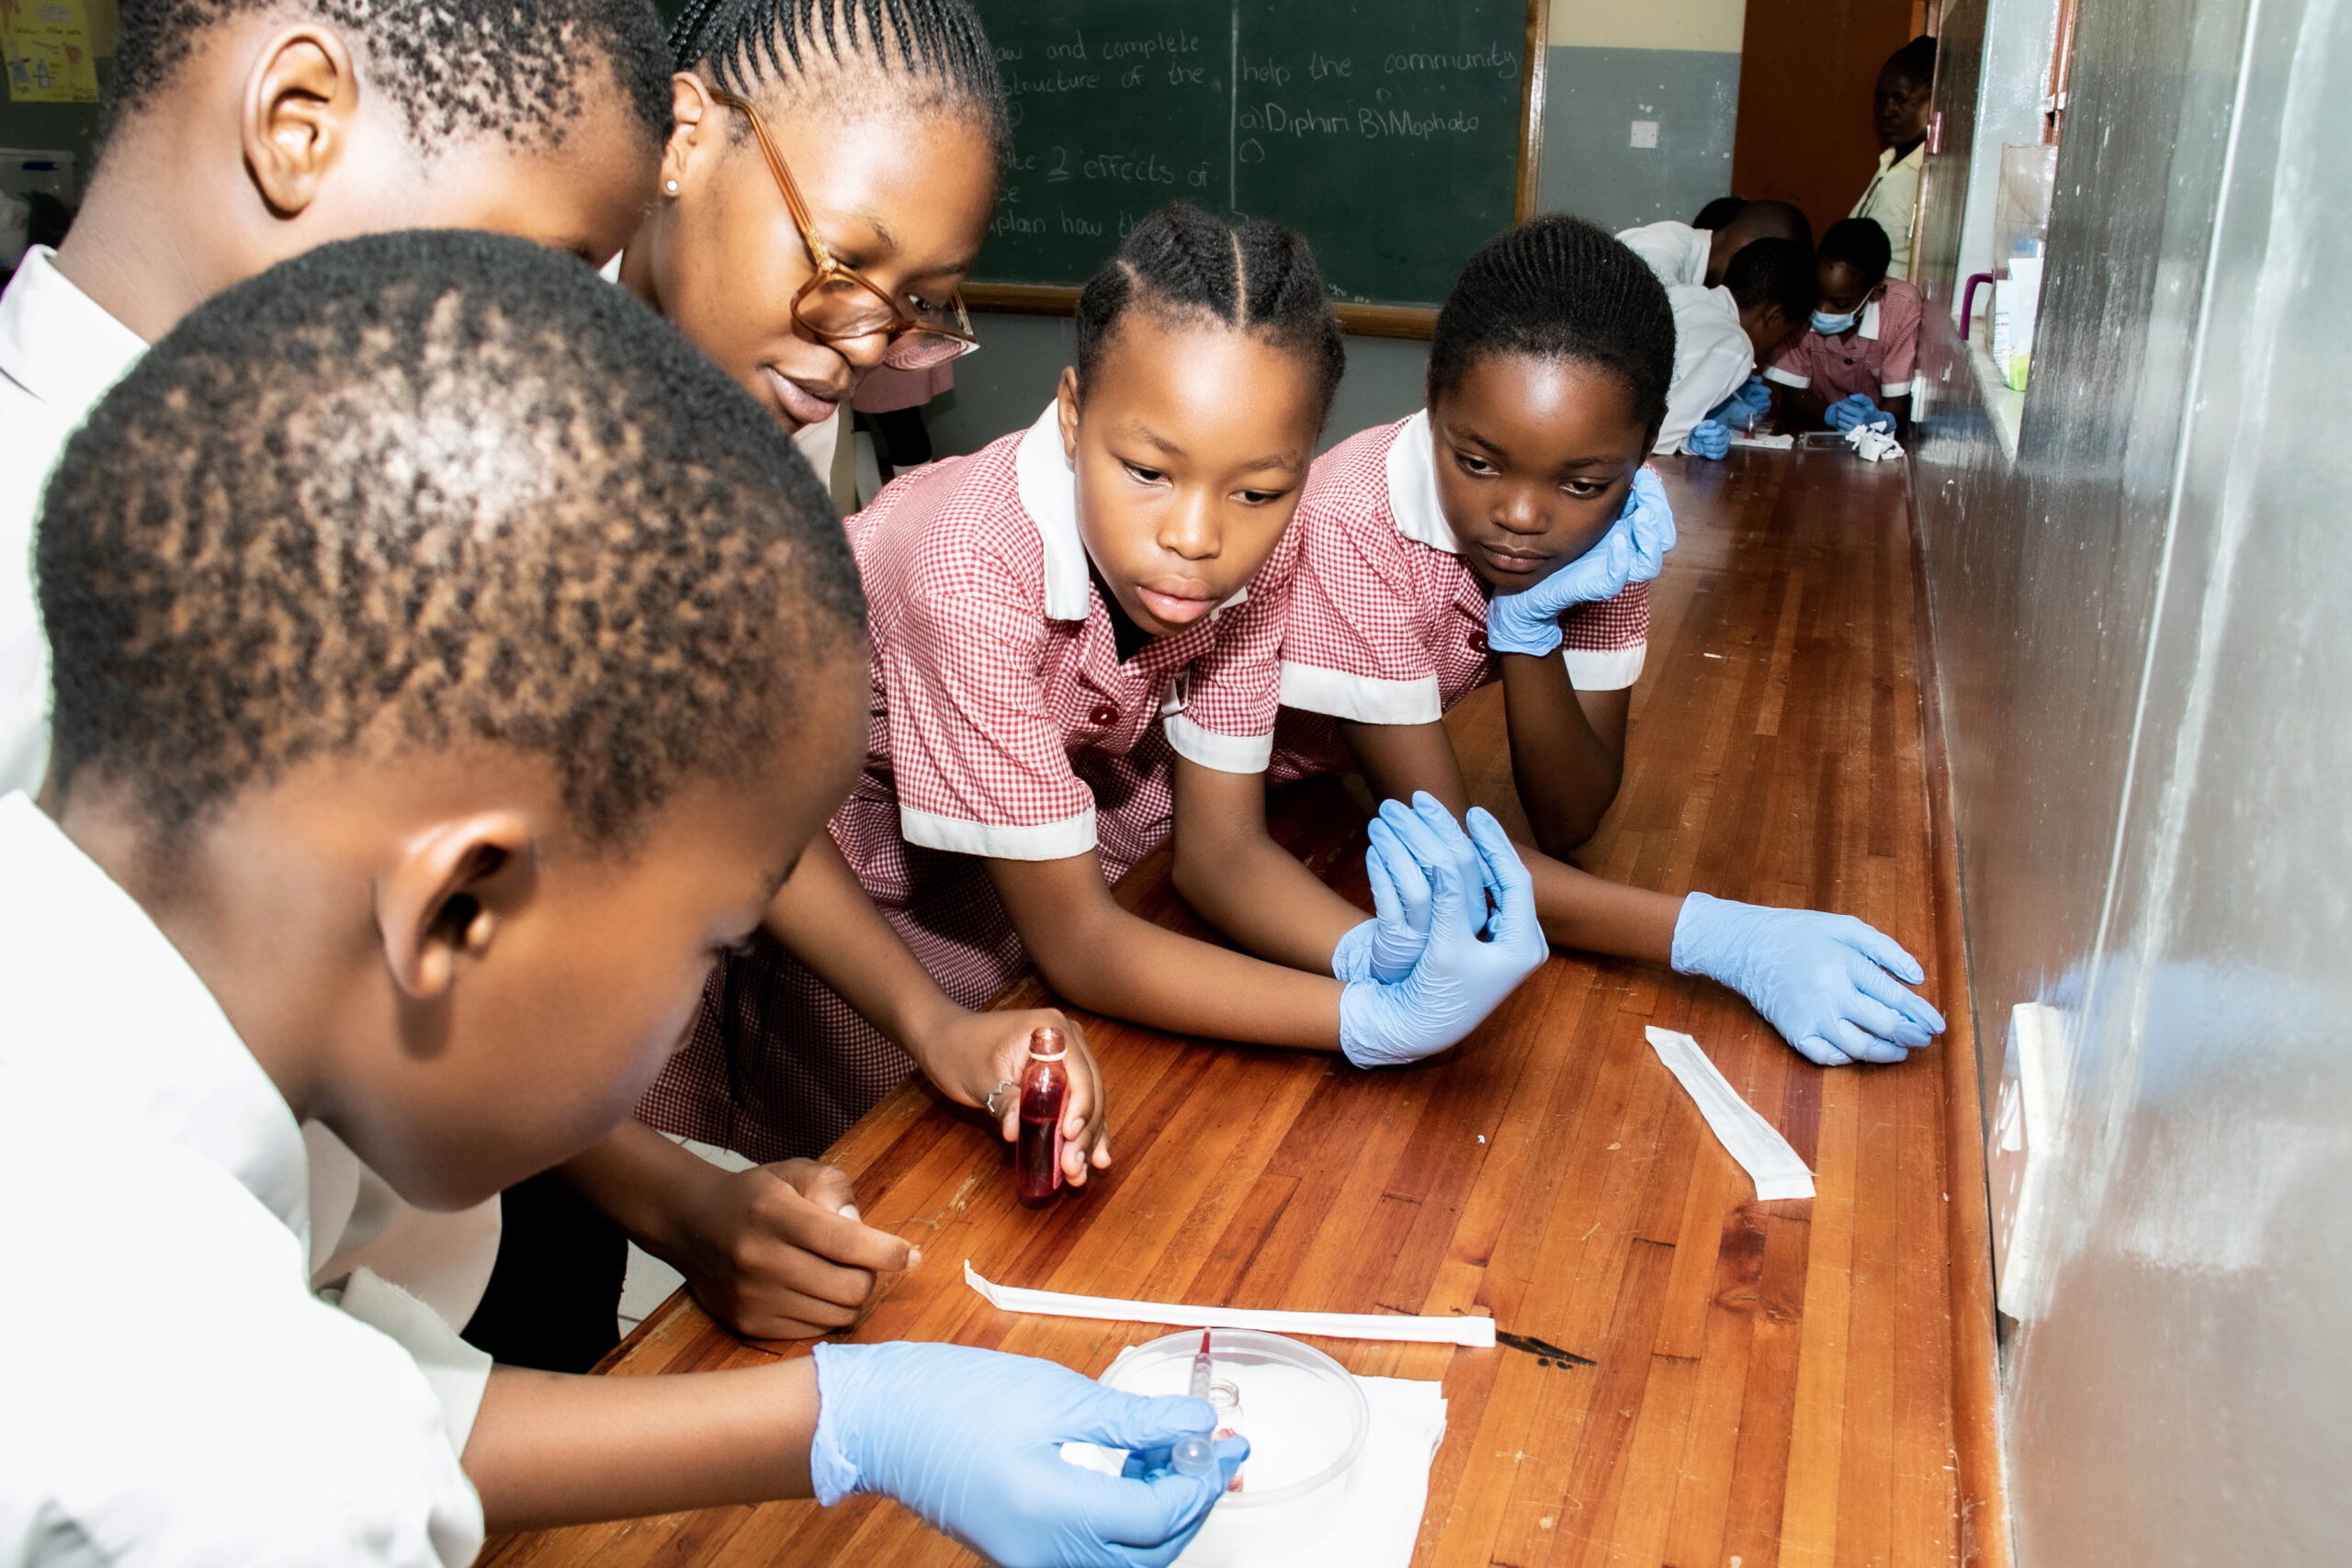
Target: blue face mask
x,y
1828,325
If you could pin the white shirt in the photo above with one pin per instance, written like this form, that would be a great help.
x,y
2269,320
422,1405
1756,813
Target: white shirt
x,y
1712,358
175,1393
59,353
1675,251
1892,201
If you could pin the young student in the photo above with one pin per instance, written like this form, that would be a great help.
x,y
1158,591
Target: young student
x,y
1899,113
236,133
1722,334
1718,212
827,180
1441,552
1859,361
1075,636
449,662
1698,256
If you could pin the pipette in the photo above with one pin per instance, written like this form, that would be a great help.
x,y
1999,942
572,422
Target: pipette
x,y
1196,1453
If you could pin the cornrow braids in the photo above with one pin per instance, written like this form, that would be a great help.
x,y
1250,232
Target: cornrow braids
x,y
421,490
1776,272
1255,276
1558,288
519,70
922,54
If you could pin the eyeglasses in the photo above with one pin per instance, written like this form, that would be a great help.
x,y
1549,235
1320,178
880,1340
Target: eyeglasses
x,y
838,302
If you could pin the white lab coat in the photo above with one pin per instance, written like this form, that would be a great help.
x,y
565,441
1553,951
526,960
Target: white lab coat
x,y
1675,251
1712,358
176,1392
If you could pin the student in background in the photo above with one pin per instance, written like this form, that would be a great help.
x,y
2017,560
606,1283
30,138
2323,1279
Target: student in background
x,y
1470,542
1075,638
460,919
1858,362
1722,334
1685,253
1899,113
865,141
1718,212
236,133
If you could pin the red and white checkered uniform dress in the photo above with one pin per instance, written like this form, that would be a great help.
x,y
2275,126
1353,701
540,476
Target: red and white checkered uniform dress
x,y
1386,624
1003,725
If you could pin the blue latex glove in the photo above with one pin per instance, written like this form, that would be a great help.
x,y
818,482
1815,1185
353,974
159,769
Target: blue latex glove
x,y
971,1440
1826,982
1858,409
1460,978
1634,550
1757,394
1386,947
1732,415
1708,438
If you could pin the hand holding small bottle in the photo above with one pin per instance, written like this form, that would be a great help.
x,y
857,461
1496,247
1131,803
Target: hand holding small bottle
x,y
977,1060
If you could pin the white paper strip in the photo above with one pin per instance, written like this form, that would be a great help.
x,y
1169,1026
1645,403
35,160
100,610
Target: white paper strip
x,y
1746,1136
1770,443
1478,1333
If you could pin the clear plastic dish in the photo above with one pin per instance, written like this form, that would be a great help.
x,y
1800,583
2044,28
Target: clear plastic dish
x,y
1307,1421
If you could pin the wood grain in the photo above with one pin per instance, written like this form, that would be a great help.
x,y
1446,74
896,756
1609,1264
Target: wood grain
x,y
1771,1383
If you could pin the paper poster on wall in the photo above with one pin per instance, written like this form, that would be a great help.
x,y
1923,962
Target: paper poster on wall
x,y
47,47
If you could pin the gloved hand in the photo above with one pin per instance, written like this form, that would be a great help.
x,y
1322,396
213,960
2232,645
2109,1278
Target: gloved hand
x,y
970,1440
1733,414
1634,550
1386,947
1459,979
1826,982
1757,393
1858,409
1709,438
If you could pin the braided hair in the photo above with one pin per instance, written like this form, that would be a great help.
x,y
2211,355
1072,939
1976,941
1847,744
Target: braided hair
x,y
924,54
1558,288
1255,276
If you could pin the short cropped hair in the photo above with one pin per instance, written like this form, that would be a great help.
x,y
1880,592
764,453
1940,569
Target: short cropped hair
x,y
424,489
1255,276
1718,212
518,69
1915,62
1773,271
1558,288
1858,242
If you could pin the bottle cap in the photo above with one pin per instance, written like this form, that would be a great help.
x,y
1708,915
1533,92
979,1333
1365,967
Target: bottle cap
x,y
1046,1045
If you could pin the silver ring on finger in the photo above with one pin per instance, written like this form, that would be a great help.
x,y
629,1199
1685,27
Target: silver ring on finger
x,y
999,1088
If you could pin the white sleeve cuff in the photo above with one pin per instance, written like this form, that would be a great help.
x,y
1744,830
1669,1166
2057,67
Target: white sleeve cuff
x,y
1605,670
1226,754
1900,388
1047,841
457,1373
1787,377
1364,698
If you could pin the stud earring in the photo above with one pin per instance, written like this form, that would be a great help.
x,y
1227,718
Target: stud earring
x,y
672,187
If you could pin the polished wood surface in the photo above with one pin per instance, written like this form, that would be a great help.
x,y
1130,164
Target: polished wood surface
x,y
1768,1383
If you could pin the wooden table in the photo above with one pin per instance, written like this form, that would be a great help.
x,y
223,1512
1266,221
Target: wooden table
x,y
1790,1382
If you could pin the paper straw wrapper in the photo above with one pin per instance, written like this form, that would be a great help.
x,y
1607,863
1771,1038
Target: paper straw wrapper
x,y
1755,1143
1476,1333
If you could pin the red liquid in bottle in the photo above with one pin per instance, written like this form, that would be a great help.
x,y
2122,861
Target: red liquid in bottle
x,y
1045,1089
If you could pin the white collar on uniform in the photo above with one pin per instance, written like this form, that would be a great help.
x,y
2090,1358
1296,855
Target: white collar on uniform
x,y
1412,487
1048,489
57,342
1050,495
1869,322
99,996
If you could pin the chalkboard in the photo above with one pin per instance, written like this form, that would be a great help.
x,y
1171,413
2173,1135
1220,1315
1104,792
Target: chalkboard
x,y
1392,133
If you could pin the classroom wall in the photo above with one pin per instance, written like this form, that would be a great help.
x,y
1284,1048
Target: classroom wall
x,y
1808,67
2142,665
1008,383
1612,70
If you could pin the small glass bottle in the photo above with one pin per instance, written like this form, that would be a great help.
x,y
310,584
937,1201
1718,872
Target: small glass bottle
x,y
1045,1091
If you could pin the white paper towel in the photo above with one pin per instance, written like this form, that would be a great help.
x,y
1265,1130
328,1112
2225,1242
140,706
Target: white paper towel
x,y
1387,1491
1478,1333
1755,1143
